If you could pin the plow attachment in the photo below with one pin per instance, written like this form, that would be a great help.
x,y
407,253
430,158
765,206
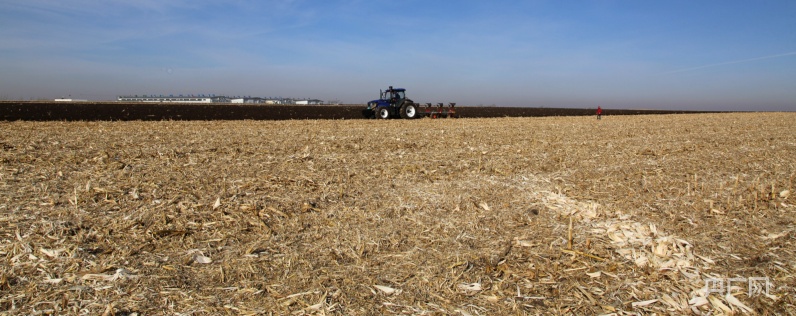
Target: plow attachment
x,y
439,111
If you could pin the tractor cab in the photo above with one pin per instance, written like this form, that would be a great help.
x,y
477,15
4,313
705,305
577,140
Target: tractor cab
x,y
395,95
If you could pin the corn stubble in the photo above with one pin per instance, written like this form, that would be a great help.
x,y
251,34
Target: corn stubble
x,y
565,215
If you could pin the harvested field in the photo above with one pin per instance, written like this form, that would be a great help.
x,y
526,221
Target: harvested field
x,y
500,216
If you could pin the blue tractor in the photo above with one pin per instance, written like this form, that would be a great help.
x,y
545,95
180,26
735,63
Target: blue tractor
x,y
391,103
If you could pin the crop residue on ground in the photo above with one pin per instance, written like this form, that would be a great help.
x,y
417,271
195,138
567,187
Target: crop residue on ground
x,y
563,215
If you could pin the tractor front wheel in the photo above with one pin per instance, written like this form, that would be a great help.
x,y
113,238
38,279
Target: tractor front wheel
x,y
408,111
383,113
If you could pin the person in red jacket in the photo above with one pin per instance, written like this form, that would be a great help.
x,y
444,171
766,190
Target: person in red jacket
x,y
599,112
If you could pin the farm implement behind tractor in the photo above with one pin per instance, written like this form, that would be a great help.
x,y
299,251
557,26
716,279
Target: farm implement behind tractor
x,y
393,103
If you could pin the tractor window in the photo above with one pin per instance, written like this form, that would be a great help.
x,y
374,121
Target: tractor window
x,y
399,94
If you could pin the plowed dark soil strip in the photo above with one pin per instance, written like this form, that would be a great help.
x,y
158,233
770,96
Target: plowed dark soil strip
x,y
114,111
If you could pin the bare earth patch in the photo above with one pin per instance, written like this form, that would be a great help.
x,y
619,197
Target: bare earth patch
x,y
562,215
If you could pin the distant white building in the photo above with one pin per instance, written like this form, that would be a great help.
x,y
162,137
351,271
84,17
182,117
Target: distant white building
x,y
69,100
308,102
248,100
212,99
170,99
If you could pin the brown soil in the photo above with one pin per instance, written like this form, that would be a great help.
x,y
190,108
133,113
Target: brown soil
x,y
115,111
556,215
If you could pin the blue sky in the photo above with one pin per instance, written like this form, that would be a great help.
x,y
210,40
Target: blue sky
x,y
689,55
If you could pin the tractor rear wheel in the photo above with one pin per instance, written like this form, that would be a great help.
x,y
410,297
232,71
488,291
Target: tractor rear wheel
x,y
408,111
383,113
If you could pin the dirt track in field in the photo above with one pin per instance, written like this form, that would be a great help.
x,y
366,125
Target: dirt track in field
x,y
556,215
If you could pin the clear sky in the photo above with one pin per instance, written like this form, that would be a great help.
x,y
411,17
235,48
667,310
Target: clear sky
x,y
690,55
